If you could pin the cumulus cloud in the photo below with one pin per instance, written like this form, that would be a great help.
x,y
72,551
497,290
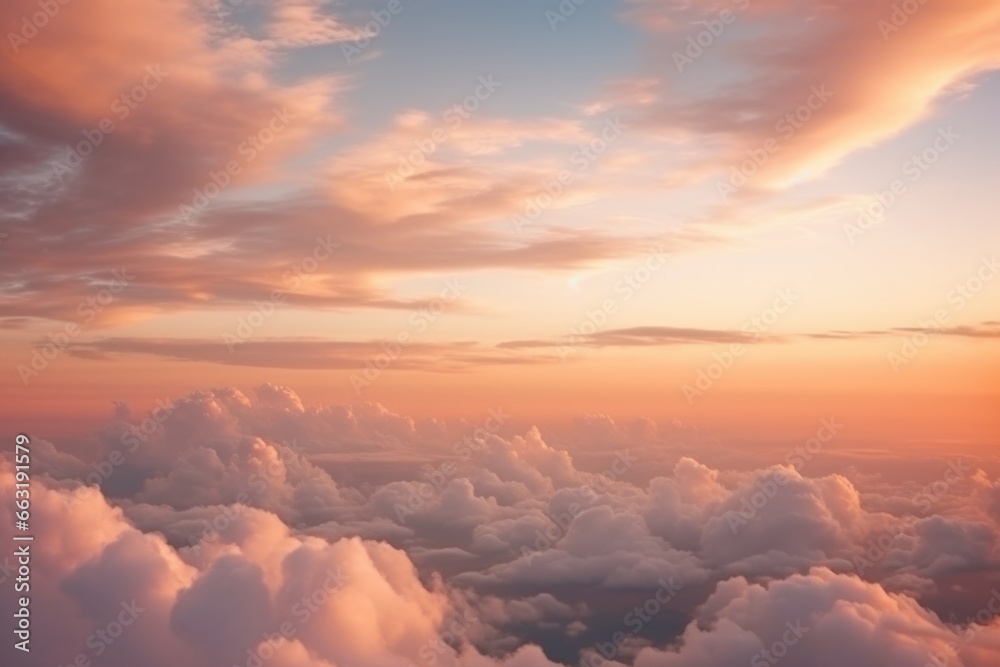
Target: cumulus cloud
x,y
819,619
254,592
383,539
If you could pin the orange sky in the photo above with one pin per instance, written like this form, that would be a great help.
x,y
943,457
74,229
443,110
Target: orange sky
x,y
207,208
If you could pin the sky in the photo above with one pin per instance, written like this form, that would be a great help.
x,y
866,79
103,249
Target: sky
x,y
703,174
698,229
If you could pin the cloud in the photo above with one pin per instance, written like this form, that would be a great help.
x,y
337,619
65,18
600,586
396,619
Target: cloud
x,y
298,353
257,591
644,336
168,142
229,509
820,619
656,336
296,23
899,65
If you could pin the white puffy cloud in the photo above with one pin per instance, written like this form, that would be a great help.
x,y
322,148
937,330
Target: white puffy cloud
x,y
819,619
222,514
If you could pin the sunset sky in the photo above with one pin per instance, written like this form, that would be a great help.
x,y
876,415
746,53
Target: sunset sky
x,y
422,165
713,223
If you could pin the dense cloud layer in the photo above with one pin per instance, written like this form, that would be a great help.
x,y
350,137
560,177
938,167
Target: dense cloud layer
x,y
376,539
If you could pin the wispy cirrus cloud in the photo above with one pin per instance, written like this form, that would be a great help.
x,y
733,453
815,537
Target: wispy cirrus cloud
x,y
446,357
773,53
656,336
462,356
297,23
